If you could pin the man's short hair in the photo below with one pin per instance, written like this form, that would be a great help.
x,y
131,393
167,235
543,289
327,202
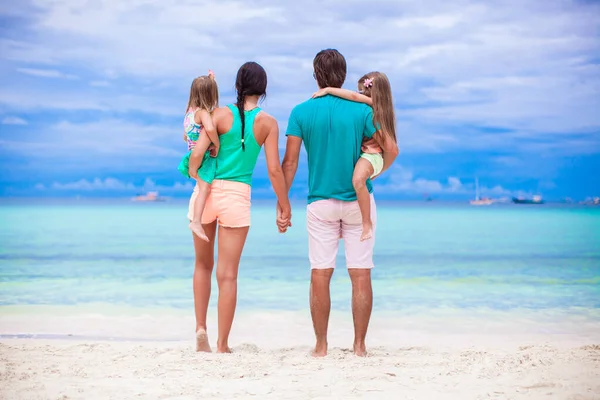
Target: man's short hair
x,y
330,68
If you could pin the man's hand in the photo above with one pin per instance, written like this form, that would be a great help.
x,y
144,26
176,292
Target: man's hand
x,y
320,93
284,219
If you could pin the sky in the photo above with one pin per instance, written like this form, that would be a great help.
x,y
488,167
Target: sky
x,y
92,94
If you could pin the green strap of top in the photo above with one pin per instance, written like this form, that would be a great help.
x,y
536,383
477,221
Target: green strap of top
x,y
233,162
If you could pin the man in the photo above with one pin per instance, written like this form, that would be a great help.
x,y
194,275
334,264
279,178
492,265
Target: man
x,y
333,130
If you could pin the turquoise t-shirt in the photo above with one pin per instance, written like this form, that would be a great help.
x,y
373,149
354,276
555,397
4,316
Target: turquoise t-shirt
x,y
332,130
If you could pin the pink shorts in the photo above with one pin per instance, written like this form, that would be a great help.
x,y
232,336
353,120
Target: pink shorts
x,y
326,220
228,203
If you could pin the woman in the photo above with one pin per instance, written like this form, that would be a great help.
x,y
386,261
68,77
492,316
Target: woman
x,y
243,128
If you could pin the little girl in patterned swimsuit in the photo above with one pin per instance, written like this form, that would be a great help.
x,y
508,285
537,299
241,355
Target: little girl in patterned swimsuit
x,y
204,98
373,89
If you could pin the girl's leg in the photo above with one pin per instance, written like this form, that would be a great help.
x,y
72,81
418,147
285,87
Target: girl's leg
x,y
231,244
362,171
203,189
199,203
203,267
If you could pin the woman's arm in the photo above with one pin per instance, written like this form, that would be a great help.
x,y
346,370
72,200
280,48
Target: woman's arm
x,y
206,121
274,167
197,155
345,94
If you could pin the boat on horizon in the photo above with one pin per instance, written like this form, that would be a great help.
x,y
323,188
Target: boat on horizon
x,y
483,201
534,200
149,196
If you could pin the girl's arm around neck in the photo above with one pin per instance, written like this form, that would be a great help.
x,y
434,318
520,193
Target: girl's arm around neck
x,y
345,94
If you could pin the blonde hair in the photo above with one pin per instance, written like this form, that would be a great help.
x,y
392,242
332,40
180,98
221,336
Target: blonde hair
x,y
380,91
204,94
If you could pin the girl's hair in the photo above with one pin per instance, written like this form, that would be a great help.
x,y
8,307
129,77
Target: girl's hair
x,y
377,86
251,80
204,93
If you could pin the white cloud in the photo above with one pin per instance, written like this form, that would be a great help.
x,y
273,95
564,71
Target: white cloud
x,y
112,184
13,121
100,83
401,180
524,66
46,73
96,184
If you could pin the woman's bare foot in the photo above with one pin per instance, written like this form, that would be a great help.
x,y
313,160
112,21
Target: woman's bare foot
x,y
320,350
197,228
367,231
360,350
202,341
225,349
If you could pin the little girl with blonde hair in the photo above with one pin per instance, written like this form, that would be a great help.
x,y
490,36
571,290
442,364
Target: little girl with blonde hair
x,y
204,98
377,153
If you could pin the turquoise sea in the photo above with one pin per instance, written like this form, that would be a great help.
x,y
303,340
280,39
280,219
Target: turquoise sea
x,y
428,256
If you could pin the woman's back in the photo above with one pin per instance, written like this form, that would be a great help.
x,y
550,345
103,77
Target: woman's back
x,y
234,161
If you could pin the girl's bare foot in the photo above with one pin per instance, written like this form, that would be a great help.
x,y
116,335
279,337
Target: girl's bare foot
x,y
197,228
367,231
202,341
224,350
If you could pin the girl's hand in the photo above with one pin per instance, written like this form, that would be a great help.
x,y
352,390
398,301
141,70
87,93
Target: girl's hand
x,y
320,93
214,150
185,138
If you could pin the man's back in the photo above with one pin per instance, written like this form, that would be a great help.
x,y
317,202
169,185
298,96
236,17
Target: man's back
x,y
332,130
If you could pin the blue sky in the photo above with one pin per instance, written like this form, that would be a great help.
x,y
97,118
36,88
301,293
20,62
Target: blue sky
x,y
92,93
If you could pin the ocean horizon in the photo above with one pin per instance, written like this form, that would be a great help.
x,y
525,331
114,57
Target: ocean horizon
x,y
428,255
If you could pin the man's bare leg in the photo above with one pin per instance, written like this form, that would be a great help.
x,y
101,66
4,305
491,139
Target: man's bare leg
x,y
362,304
320,306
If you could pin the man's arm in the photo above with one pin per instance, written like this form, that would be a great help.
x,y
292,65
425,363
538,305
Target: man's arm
x,y
290,159
390,150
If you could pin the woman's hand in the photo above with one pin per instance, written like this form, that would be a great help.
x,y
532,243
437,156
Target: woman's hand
x,y
284,218
321,93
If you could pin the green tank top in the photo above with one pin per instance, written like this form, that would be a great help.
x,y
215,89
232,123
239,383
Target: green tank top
x,y
233,162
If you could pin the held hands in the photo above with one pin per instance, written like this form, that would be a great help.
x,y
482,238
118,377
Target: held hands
x,y
321,93
284,218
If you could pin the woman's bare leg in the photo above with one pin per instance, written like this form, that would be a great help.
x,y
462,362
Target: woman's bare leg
x,y
362,171
231,244
203,267
199,203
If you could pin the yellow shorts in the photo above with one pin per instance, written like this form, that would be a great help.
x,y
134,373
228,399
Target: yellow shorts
x,y
376,160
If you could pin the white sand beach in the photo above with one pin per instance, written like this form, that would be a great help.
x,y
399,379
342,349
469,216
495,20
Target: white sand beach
x,y
151,356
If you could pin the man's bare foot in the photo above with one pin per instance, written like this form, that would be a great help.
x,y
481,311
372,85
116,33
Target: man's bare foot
x,y
197,228
202,341
360,350
367,231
